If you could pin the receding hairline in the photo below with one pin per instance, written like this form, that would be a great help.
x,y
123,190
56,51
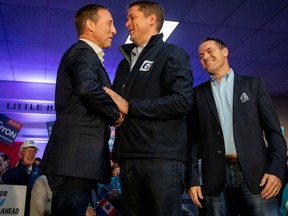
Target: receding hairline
x,y
219,42
90,11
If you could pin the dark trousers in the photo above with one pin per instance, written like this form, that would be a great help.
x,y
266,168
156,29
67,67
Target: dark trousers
x,y
70,196
236,198
152,187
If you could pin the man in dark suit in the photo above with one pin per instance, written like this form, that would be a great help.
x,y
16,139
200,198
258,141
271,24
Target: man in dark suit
x,y
77,154
241,172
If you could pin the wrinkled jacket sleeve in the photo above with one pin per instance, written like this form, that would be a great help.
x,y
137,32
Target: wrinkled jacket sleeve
x,y
86,74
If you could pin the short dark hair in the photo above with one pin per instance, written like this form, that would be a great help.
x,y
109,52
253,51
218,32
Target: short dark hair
x,y
5,157
148,8
115,166
87,12
219,42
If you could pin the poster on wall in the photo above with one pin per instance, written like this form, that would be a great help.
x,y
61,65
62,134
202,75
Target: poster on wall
x,y
9,129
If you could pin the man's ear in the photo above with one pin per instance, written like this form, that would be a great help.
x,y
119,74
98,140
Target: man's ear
x,y
153,19
225,52
20,154
90,25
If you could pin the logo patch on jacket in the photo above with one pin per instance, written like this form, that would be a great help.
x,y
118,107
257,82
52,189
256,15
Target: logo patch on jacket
x,y
146,65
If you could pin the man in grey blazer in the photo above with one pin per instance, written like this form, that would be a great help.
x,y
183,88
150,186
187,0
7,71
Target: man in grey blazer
x,y
77,154
242,171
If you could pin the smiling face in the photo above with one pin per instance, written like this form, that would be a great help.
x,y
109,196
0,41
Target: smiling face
x,y
214,58
102,29
140,28
27,155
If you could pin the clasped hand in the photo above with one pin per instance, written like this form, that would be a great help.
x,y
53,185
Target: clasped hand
x,y
121,103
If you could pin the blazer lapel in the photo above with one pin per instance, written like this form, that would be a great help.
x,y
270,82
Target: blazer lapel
x,y
103,73
210,100
236,93
106,79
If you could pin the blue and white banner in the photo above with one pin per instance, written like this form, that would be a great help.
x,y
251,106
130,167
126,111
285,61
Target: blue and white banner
x,y
9,129
12,199
49,126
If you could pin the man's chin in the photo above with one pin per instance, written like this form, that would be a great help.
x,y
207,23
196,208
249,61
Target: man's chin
x,y
108,45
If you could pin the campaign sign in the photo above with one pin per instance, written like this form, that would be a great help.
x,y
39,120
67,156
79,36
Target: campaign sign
x,y
49,126
9,129
12,199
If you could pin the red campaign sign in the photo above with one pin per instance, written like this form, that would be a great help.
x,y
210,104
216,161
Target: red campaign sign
x,y
9,129
14,124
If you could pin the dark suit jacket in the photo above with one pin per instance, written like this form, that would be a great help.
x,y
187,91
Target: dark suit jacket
x,y
250,119
78,146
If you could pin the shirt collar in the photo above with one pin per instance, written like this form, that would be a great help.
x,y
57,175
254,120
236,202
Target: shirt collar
x,y
228,76
100,53
137,50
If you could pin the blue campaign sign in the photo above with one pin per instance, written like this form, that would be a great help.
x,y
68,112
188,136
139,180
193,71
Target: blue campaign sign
x,y
9,129
49,126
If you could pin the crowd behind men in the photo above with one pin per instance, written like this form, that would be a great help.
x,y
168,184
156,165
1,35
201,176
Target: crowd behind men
x,y
163,125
